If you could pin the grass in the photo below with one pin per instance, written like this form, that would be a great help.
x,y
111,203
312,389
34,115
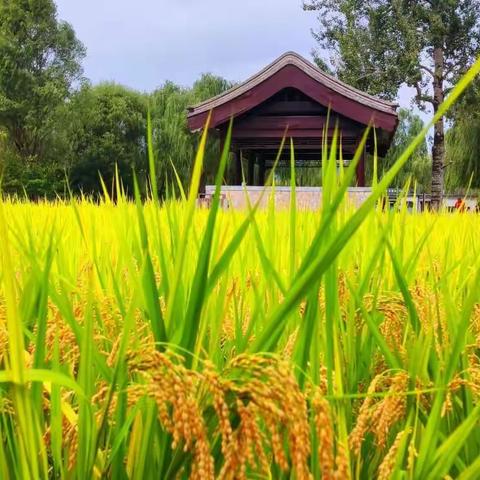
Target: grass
x,y
158,340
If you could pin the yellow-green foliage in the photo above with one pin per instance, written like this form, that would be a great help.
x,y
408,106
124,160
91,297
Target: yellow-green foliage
x,y
165,341
403,311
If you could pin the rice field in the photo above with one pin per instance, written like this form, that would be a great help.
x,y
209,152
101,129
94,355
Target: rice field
x,y
160,340
124,356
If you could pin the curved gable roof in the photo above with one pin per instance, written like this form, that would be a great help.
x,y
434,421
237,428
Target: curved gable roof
x,y
292,70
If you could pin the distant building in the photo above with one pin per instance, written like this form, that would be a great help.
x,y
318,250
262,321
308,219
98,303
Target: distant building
x,y
292,97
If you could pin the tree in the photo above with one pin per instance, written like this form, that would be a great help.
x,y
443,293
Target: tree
x,y
174,143
380,44
39,63
463,141
207,86
107,125
418,167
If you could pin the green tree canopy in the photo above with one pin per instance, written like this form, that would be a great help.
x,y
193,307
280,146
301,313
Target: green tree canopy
x,y
174,143
463,142
418,167
107,125
377,45
54,124
39,62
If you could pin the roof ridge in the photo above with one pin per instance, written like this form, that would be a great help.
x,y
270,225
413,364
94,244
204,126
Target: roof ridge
x,y
291,57
238,85
338,81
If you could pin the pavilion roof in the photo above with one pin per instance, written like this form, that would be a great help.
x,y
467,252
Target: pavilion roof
x,y
291,69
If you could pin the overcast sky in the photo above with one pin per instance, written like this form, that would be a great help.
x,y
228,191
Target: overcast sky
x,y
142,43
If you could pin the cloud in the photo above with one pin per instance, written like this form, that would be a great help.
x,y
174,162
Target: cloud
x,y
144,43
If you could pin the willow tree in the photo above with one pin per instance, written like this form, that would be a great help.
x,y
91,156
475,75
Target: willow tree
x,y
378,45
463,142
174,144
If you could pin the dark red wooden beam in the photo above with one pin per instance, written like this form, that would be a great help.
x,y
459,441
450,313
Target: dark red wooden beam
x,y
295,122
360,171
315,143
292,133
299,107
292,76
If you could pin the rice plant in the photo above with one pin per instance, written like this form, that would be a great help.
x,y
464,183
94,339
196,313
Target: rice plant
x,y
159,340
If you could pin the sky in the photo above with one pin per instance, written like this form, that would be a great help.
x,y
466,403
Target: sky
x,y
143,43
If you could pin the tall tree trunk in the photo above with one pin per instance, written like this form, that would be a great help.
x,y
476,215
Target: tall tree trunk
x,y
438,149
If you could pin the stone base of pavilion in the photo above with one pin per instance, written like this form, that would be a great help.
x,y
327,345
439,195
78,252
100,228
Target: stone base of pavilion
x,y
307,198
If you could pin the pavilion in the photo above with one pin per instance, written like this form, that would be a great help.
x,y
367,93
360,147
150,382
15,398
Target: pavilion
x,y
292,95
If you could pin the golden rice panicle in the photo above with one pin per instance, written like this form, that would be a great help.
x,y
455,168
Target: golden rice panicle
x,y
393,325
412,455
473,372
475,324
325,434
469,379
391,409
447,405
363,418
70,442
3,342
102,396
272,387
342,466
69,432
387,466
287,351
258,443
58,329
110,318
232,311
6,406
276,439
217,388
299,429
432,315
143,340
248,448
302,308
343,290
175,390
112,355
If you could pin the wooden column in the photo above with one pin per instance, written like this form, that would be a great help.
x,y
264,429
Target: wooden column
x,y
256,164
261,171
251,171
360,171
221,142
238,168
